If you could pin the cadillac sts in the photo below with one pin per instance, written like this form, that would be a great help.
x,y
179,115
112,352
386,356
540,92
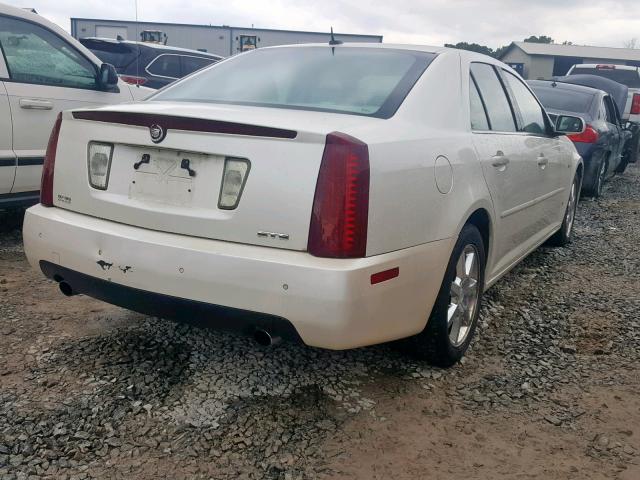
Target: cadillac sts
x,y
337,195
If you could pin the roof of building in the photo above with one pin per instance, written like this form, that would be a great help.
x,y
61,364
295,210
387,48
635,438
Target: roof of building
x,y
226,27
582,51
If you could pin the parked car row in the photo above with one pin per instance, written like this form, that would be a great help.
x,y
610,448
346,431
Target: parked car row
x,y
149,64
602,144
629,76
43,71
610,141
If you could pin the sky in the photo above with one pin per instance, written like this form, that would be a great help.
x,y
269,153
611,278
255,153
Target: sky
x,y
429,22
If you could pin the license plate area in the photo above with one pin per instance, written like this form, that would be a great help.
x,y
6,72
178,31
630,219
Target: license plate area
x,y
169,176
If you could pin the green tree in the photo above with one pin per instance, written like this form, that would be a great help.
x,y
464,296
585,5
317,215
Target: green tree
x,y
474,47
500,50
540,39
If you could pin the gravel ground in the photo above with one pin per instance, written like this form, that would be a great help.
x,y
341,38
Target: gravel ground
x,y
548,390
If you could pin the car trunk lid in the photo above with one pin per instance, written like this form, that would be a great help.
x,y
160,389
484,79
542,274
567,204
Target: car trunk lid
x,y
172,183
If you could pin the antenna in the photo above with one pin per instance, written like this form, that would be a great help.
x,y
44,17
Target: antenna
x,y
137,45
333,40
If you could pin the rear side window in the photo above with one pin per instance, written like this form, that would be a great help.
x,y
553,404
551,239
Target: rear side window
x,y
120,55
494,97
478,114
165,65
610,109
191,64
555,98
630,78
36,55
530,110
354,80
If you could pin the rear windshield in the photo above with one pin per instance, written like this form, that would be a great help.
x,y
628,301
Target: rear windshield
x,y
630,78
565,100
355,80
120,55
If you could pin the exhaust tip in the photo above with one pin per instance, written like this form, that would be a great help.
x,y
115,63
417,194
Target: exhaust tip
x,y
264,338
66,289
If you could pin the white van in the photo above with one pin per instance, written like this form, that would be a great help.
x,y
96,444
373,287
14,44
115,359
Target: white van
x,y
43,71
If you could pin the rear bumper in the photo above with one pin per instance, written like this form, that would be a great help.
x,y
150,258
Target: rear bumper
x,y
184,310
329,303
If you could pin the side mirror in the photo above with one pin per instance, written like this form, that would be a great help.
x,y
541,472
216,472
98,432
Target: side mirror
x,y
108,77
567,124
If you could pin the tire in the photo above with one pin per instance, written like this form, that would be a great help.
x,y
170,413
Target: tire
x,y
622,166
563,236
634,155
435,343
595,189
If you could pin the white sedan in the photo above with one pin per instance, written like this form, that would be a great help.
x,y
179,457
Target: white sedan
x,y
341,195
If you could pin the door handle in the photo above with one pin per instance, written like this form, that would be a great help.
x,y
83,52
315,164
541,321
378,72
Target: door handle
x,y
543,161
35,104
499,160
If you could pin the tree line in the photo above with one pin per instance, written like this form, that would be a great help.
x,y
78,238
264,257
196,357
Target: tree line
x,y
475,47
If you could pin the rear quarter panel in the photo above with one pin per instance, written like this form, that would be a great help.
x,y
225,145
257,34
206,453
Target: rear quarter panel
x,y
426,178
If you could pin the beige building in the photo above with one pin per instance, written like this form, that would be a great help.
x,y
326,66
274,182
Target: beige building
x,y
544,60
221,40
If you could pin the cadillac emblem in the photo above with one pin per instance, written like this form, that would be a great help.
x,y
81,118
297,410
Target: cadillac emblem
x,y
157,133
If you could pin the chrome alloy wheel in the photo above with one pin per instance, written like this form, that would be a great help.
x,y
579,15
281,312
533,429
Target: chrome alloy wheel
x,y
571,209
464,296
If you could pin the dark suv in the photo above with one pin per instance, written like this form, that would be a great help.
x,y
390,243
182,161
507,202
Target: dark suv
x,y
148,64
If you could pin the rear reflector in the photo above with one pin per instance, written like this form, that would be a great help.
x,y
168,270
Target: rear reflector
x,y
635,104
384,276
46,184
99,164
588,136
341,204
233,180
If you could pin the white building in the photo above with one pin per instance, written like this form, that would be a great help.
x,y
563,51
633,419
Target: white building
x,y
220,40
544,60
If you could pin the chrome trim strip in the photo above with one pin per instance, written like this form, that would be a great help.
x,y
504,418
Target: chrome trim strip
x,y
531,203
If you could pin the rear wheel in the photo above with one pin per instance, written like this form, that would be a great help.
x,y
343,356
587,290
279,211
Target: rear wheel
x,y
453,319
634,155
631,153
563,236
622,166
595,190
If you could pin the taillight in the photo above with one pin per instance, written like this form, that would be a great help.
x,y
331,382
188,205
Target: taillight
x,y
341,204
46,185
133,80
635,104
588,136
